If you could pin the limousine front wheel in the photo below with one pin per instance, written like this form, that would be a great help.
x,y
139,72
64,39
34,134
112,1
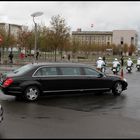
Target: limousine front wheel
x,y
31,93
117,88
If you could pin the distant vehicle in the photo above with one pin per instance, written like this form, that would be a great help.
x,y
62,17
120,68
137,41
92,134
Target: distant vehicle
x,y
33,80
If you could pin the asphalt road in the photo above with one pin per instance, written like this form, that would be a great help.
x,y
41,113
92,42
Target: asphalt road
x,y
86,115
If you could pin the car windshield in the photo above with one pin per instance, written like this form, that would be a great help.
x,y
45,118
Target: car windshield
x,y
23,69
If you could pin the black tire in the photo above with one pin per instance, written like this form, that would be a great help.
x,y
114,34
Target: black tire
x,y
117,88
31,93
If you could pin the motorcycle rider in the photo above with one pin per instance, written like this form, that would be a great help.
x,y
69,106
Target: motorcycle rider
x,y
100,64
116,64
138,61
129,62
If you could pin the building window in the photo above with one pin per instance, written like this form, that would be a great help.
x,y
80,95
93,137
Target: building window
x,y
121,42
108,43
86,37
108,37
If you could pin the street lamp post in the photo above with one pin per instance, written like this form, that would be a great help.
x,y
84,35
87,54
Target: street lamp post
x,y
36,14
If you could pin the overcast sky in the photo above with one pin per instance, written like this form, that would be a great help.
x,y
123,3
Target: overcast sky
x,y
105,16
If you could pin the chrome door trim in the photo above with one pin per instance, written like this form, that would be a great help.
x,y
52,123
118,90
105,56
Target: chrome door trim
x,y
77,90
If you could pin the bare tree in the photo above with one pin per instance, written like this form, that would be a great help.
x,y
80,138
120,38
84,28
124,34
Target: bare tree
x,y
61,33
9,40
26,39
125,48
132,49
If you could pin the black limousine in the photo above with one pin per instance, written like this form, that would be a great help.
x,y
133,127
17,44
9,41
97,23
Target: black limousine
x,y
33,80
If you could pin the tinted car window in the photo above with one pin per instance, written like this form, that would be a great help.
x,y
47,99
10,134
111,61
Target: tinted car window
x,y
46,71
70,71
23,69
89,71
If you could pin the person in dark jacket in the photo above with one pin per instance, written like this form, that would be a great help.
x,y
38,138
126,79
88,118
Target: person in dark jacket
x,y
37,55
11,57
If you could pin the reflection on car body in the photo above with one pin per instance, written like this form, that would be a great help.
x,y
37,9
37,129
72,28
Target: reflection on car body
x,y
32,80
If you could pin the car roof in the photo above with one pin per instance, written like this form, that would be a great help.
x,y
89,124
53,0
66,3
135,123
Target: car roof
x,y
60,64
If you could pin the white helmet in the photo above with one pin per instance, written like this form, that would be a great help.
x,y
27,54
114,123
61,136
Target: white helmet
x,y
129,58
100,58
116,59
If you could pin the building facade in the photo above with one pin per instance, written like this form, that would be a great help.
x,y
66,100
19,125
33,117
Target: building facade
x,y
121,37
93,37
13,29
117,37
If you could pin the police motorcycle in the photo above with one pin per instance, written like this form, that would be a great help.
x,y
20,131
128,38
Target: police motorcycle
x,y
101,64
138,64
129,68
138,67
116,66
116,69
129,65
103,68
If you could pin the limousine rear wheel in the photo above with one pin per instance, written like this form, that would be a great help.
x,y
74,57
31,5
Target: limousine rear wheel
x,y
31,93
117,88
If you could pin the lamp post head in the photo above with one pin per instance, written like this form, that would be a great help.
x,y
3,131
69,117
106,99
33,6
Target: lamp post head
x,y
36,14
